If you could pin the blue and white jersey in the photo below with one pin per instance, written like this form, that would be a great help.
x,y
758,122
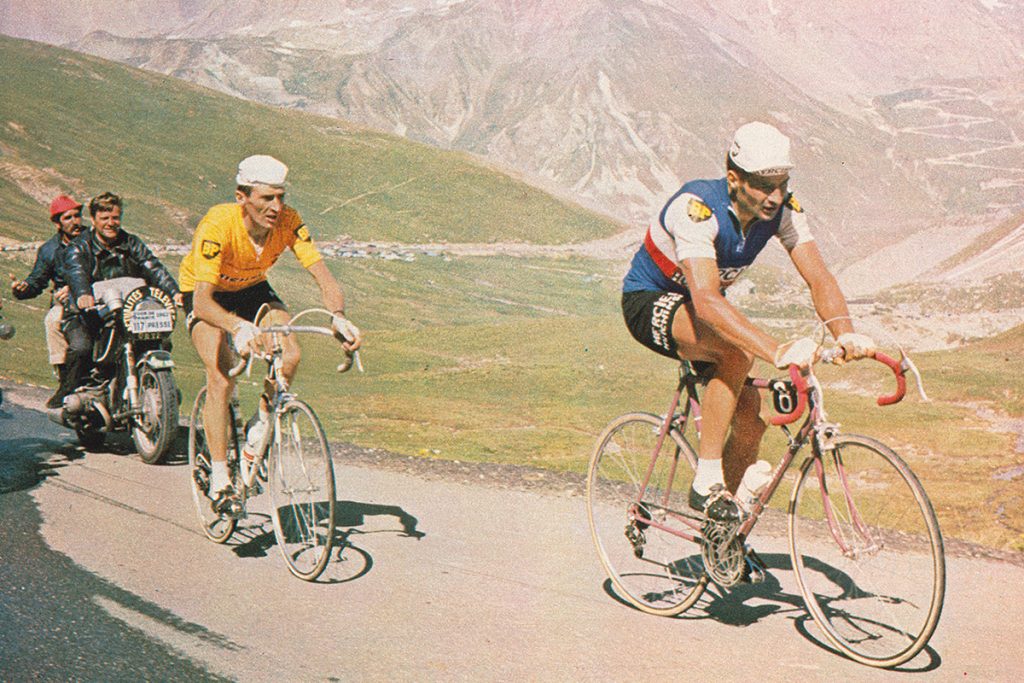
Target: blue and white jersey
x,y
699,222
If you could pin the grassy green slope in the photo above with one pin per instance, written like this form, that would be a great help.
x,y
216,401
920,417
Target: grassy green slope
x,y
70,122
495,359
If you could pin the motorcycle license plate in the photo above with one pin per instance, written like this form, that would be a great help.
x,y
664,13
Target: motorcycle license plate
x,y
151,321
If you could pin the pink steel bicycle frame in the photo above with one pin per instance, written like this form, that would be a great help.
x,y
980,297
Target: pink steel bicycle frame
x,y
804,434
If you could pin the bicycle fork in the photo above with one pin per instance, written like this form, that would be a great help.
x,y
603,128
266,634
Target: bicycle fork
x,y
825,446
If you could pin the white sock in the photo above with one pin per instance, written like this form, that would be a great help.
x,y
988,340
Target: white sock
x,y
709,473
219,479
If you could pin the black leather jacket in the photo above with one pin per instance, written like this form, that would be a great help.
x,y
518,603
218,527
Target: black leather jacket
x,y
45,269
86,261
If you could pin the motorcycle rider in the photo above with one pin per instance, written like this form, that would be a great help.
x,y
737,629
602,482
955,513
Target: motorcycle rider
x,y
66,213
102,253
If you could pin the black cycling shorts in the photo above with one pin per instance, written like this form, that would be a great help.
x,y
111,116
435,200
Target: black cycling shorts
x,y
245,303
649,318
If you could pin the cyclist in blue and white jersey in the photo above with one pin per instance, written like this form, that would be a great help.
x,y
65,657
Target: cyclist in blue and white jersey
x,y
673,298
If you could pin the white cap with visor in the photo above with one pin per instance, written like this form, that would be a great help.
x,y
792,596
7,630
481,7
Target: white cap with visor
x,y
261,169
761,149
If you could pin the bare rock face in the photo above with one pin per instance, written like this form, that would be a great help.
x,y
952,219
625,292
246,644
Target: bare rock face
x,y
900,121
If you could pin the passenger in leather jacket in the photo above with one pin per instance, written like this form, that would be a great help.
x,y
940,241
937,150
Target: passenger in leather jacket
x,y
104,252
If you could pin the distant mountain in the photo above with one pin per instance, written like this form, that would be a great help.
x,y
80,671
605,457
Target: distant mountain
x,y
901,120
74,123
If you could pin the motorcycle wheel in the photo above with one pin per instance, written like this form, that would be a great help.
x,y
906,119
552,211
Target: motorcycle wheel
x,y
154,430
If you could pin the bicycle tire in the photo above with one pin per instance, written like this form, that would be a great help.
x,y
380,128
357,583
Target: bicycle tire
x,y
301,482
217,527
651,569
879,600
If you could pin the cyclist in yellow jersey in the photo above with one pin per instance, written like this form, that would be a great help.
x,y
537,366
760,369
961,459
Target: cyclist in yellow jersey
x,y
224,283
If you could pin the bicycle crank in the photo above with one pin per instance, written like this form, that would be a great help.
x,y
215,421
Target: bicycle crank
x,y
723,553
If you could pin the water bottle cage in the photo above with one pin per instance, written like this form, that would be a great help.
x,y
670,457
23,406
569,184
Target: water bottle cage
x,y
784,396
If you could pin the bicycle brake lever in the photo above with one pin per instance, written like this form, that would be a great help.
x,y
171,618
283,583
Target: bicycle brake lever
x,y
908,364
350,360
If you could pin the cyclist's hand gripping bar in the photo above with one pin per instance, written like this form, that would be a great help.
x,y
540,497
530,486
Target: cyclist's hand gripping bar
x,y
898,370
351,357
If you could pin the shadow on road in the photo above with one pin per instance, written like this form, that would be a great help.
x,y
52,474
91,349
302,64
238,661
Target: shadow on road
x,y
349,562
57,620
746,604
120,443
27,458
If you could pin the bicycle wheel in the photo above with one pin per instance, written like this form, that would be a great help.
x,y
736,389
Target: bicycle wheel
x,y
301,482
651,568
218,528
867,552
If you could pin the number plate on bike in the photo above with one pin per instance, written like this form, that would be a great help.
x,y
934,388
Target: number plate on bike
x,y
151,321
784,396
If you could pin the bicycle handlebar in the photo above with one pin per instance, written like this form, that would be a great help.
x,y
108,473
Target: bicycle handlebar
x,y
898,370
352,358
901,380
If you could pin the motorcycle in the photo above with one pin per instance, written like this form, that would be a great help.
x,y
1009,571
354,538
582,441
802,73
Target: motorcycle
x,y
132,385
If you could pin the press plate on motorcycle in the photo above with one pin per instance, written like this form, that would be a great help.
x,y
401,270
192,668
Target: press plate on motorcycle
x,y
148,321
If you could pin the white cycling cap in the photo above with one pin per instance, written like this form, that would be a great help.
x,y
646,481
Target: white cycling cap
x,y
261,169
760,148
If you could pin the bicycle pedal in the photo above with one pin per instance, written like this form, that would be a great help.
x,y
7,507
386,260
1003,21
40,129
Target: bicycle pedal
x,y
229,505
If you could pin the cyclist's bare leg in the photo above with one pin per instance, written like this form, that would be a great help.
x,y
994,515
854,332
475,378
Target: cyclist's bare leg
x,y
744,437
212,346
290,354
697,341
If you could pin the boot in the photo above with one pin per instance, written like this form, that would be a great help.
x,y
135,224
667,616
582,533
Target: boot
x,y
76,373
63,380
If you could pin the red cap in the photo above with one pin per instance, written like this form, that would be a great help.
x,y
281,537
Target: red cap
x,y
61,204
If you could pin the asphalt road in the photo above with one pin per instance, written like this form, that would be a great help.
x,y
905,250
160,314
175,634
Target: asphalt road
x,y
104,575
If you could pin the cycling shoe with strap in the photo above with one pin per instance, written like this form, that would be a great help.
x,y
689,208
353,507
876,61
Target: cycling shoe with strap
x,y
718,505
227,502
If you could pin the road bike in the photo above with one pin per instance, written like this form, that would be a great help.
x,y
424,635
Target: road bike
x,y
292,458
863,537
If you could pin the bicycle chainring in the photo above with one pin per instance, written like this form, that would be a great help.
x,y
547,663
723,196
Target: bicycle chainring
x,y
724,559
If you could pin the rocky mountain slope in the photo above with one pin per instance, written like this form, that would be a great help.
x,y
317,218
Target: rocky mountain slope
x,y
902,123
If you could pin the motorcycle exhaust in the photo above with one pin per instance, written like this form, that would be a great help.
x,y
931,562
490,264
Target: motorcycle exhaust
x,y
76,411
75,404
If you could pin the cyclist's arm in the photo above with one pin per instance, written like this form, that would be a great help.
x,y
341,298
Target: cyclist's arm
x,y
828,299
210,312
334,300
713,309
330,291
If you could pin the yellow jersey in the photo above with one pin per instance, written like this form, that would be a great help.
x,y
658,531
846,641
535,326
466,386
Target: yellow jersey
x,y
224,255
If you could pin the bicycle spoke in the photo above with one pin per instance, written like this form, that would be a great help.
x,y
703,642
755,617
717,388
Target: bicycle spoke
x,y
302,486
651,567
867,552
218,528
